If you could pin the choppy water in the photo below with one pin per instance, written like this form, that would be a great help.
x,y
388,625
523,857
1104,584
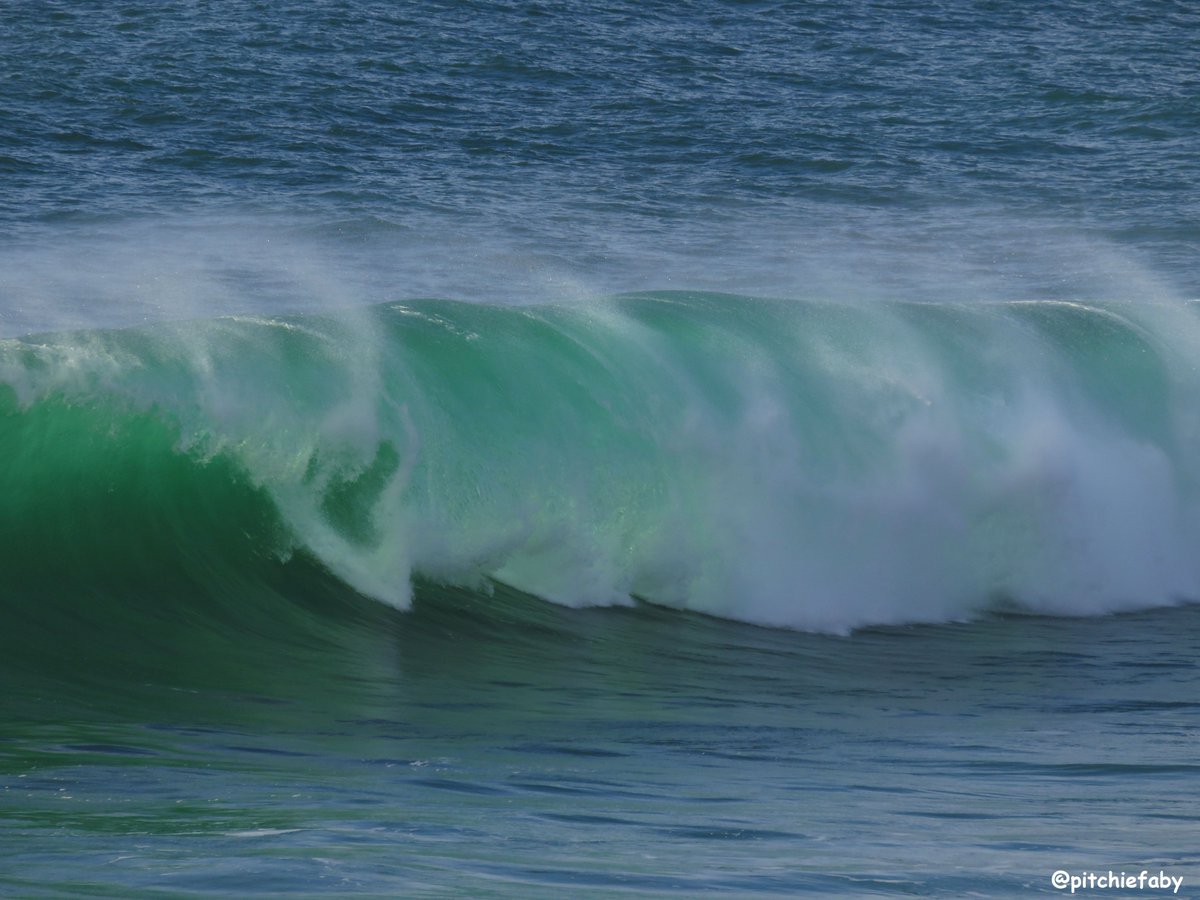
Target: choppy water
x,y
512,449
505,747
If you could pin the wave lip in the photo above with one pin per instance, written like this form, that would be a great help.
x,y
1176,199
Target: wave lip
x,y
801,464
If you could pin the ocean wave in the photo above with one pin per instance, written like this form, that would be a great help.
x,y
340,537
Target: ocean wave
x,y
809,465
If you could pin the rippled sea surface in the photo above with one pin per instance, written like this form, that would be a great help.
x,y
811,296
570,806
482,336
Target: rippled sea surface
x,y
487,150
511,749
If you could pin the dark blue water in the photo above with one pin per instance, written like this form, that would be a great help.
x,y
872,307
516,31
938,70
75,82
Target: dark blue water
x,y
203,521
474,150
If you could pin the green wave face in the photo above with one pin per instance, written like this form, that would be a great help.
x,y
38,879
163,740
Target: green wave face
x,y
785,463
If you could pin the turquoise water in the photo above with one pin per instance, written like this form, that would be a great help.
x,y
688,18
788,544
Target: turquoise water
x,y
537,449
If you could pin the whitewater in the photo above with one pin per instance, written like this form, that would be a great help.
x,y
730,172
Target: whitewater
x,y
814,465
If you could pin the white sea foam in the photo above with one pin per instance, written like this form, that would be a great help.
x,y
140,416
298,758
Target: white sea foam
x,y
811,464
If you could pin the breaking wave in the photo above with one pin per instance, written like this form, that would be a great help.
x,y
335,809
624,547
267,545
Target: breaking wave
x,y
800,464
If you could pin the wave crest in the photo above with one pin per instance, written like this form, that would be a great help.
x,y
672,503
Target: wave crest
x,y
799,464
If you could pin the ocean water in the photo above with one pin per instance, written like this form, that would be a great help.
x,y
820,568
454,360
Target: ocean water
x,y
559,449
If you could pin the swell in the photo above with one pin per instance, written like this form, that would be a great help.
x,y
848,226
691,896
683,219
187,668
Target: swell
x,y
811,465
